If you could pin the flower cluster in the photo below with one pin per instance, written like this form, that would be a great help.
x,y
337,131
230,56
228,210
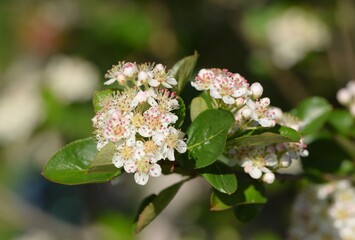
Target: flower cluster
x,y
140,120
262,161
233,92
324,212
346,96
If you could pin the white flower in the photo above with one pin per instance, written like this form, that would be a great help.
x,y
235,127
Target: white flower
x,y
224,88
260,112
129,69
161,77
173,140
155,122
251,168
144,169
117,127
203,80
71,79
127,152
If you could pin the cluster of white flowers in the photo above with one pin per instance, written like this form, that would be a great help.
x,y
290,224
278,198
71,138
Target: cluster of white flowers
x,y
293,34
262,161
233,92
324,212
139,119
346,96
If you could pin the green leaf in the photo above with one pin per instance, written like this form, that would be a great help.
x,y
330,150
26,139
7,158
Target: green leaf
x,y
71,163
103,160
261,136
326,155
207,136
180,113
154,205
314,112
99,97
249,192
245,213
220,177
342,121
182,70
198,105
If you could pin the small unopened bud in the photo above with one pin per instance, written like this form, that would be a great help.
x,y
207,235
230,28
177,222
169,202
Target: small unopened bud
x,y
239,101
265,101
285,160
159,68
120,77
129,69
256,89
344,96
269,177
142,76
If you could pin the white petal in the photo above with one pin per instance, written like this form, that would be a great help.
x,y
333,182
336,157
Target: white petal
x,y
131,140
155,170
152,102
167,85
181,146
265,122
141,178
171,81
170,154
118,161
130,166
158,138
139,153
144,131
110,81
250,103
215,94
139,144
228,99
255,173
153,83
101,144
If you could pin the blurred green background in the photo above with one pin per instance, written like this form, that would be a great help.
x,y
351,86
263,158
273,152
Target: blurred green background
x,y
54,54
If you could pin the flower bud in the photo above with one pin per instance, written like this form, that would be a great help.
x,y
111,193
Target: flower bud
x,y
269,177
143,76
256,89
285,160
129,69
344,96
